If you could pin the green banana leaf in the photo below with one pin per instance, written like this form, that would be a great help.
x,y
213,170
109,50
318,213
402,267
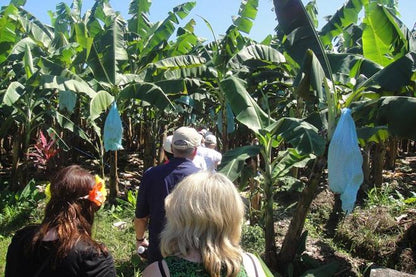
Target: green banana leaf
x,y
147,92
346,15
395,112
233,161
35,29
108,51
66,123
372,134
346,66
301,135
247,14
245,108
63,84
383,39
396,75
288,159
300,33
179,62
311,75
162,32
13,93
99,103
139,22
256,52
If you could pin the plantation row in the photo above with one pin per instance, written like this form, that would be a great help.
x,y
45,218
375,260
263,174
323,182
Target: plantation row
x,y
274,104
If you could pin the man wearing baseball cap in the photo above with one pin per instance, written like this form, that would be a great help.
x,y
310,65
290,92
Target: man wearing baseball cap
x,y
157,183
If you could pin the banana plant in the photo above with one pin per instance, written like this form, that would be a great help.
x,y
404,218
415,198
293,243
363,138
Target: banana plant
x,y
274,136
299,35
24,104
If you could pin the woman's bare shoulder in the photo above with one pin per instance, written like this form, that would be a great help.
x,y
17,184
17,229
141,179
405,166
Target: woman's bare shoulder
x,y
153,270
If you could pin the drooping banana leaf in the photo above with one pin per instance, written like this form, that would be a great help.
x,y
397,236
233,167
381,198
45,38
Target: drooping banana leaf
x,y
233,161
300,33
64,83
35,29
147,92
287,160
347,66
13,93
256,52
391,78
303,136
395,112
99,103
245,108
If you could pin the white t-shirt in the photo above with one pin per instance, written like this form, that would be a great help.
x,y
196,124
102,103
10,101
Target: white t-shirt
x,y
211,157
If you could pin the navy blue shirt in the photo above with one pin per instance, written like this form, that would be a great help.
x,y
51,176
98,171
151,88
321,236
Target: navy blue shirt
x,y
157,183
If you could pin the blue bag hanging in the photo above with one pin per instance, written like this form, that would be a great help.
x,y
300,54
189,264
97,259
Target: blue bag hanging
x,y
345,173
113,130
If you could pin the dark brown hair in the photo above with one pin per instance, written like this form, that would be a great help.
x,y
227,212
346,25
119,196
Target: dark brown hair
x,y
68,213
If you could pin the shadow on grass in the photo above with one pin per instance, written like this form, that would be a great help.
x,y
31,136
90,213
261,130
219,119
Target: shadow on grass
x,y
130,268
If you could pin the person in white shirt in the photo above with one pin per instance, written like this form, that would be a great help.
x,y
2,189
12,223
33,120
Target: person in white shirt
x,y
207,158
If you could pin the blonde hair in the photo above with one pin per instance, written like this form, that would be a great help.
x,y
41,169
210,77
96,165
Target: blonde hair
x,y
205,212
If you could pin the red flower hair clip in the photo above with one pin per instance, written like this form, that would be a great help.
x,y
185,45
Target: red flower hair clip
x,y
98,193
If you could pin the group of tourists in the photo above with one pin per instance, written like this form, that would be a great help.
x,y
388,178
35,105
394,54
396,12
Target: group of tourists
x,y
192,215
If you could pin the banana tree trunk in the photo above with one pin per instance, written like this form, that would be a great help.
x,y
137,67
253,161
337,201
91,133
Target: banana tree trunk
x,y
293,236
114,189
391,153
366,167
377,157
16,160
269,233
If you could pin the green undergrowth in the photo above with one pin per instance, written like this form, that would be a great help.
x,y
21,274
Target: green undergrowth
x,y
381,230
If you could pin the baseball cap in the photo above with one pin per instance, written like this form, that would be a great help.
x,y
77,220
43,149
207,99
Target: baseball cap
x,y
210,139
167,144
185,138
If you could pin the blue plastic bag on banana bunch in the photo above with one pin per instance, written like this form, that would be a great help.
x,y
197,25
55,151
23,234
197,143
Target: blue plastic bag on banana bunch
x,y
345,173
113,130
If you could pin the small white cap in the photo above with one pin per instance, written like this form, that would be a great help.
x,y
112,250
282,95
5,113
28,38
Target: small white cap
x,y
210,139
167,144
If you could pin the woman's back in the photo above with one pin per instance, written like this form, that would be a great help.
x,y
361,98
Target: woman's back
x,y
82,260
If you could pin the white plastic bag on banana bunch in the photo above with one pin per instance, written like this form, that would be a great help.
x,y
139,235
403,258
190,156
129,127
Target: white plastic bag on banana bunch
x,y
345,173
113,130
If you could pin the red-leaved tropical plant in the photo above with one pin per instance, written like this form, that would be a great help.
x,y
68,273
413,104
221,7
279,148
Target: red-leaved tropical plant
x,y
43,150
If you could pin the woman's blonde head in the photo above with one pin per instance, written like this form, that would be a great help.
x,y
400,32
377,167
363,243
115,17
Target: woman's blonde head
x,y
205,213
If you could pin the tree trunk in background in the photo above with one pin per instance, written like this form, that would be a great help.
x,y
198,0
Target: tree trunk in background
x,y
293,236
148,151
114,189
75,140
269,233
366,167
377,158
16,160
224,137
391,153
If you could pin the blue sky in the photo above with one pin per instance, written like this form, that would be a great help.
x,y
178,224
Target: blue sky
x,y
218,12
